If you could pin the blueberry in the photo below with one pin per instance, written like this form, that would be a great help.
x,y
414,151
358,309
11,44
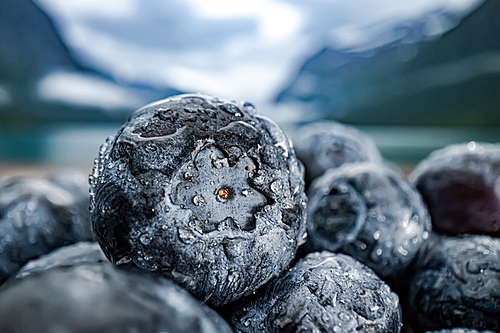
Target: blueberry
x,y
38,215
457,283
100,298
324,292
202,190
461,185
326,145
370,212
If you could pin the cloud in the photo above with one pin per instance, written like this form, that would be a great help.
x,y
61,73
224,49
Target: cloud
x,y
109,9
235,49
86,90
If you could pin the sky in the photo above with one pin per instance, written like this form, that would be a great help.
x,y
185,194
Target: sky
x,y
239,50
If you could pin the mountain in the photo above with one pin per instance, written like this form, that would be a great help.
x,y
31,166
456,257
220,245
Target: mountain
x,y
41,82
452,79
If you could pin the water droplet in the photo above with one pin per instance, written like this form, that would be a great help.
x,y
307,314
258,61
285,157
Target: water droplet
x,y
245,193
145,239
249,107
375,308
199,200
231,108
475,266
425,235
402,251
376,235
186,236
188,175
471,145
259,180
379,252
31,205
344,316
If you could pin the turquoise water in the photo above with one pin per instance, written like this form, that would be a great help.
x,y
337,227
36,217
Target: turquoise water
x,y
78,145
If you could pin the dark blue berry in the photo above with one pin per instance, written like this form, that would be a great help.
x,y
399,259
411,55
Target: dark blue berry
x,y
202,190
370,212
461,185
324,292
457,284
67,292
38,215
326,145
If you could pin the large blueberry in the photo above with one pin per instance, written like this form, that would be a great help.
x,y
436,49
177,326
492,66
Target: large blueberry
x,y
202,190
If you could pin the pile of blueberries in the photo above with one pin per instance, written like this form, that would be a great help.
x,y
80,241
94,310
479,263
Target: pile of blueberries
x,y
199,222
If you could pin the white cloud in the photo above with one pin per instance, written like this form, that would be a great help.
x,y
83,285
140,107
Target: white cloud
x,y
276,19
86,90
365,24
235,49
110,9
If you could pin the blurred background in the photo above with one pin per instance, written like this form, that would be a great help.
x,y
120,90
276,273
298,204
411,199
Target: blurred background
x,y
415,75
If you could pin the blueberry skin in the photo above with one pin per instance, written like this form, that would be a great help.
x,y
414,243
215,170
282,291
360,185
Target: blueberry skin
x,y
369,212
71,255
100,298
202,190
457,283
324,292
38,215
327,145
461,185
